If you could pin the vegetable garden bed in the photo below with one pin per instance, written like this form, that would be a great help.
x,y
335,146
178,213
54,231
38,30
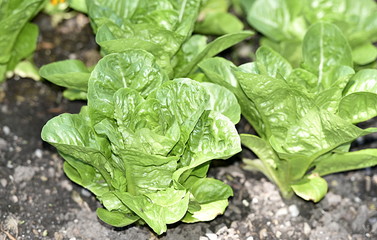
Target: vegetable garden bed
x,y
38,201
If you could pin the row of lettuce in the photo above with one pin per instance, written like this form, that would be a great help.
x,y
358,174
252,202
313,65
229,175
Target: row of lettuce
x,y
144,142
282,23
161,105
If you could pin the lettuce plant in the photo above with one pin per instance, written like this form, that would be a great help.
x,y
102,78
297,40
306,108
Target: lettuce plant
x,y
163,28
304,116
18,37
284,23
214,18
143,144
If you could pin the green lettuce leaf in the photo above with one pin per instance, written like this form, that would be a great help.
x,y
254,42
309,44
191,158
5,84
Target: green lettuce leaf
x,y
143,144
18,37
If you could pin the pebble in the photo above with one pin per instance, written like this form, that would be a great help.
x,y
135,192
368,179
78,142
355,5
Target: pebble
x,y
245,203
250,238
307,229
14,199
66,185
374,227
211,236
3,144
281,212
263,233
333,199
3,182
6,130
23,173
357,199
38,153
374,178
293,210
358,223
86,193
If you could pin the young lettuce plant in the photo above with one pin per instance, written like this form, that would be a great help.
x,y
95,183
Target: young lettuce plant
x,y
214,18
284,23
18,37
304,116
163,28
144,143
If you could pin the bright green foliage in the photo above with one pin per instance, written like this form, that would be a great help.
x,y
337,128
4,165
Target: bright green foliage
x,y
214,18
284,23
304,116
18,37
163,28
159,27
72,74
144,143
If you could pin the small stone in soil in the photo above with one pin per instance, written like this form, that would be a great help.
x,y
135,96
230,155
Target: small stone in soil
x,y
293,210
38,153
281,212
211,236
358,225
14,199
3,182
6,130
3,144
23,173
307,229
85,193
263,233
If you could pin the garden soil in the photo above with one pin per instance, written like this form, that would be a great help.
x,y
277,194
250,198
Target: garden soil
x,y
37,201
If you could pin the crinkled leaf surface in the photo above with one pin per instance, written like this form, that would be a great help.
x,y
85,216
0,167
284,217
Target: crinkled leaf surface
x,y
207,141
223,101
144,142
360,100
157,209
135,69
73,135
272,64
190,101
278,104
318,132
160,27
223,72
